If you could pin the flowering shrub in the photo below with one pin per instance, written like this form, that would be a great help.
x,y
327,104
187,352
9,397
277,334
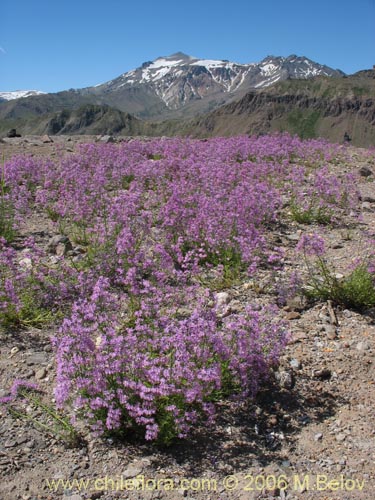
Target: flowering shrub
x,y
158,371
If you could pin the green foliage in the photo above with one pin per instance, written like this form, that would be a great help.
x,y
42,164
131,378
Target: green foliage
x,y
310,215
48,420
7,230
356,291
303,123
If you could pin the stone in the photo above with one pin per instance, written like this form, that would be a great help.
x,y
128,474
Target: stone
x,y
59,245
46,139
368,199
297,337
26,263
295,364
366,206
285,379
13,133
106,139
296,303
330,331
365,171
318,436
40,374
37,358
340,437
292,315
222,298
323,373
132,471
362,346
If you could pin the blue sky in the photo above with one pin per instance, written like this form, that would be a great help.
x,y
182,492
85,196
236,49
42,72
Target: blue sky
x,y
53,45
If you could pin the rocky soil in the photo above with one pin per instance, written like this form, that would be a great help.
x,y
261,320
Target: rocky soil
x,y
309,435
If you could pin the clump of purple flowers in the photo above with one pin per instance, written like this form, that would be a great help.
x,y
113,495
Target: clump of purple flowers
x,y
151,369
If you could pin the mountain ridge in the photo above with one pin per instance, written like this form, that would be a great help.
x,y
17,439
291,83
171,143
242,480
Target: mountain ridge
x,y
174,86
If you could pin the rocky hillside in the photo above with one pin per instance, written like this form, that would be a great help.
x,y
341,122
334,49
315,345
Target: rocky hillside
x,y
321,107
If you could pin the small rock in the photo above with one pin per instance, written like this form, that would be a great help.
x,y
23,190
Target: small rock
x,y
132,471
365,171
40,374
37,358
369,199
340,437
323,374
297,337
13,133
330,331
295,364
106,139
292,315
26,263
222,298
362,346
318,436
366,206
46,139
296,303
285,379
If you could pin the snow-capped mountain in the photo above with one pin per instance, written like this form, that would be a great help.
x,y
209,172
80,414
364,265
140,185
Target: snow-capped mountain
x,y
17,94
179,79
169,87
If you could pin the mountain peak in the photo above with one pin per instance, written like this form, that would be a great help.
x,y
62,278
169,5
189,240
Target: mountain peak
x,y
179,55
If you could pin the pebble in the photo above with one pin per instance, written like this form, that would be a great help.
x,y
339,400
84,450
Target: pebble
x,y
222,298
362,346
366,206
294,236
131,471
365,171
292,315
40,374
341,437
318,436
285,379
330,331
26,263
295,363
297,337
272,420
323,373
37,358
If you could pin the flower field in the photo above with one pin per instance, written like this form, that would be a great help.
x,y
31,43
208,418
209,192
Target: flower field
x,y
148,236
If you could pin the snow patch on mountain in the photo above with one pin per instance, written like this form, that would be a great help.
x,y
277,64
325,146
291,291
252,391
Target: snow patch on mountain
x,y
18,94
